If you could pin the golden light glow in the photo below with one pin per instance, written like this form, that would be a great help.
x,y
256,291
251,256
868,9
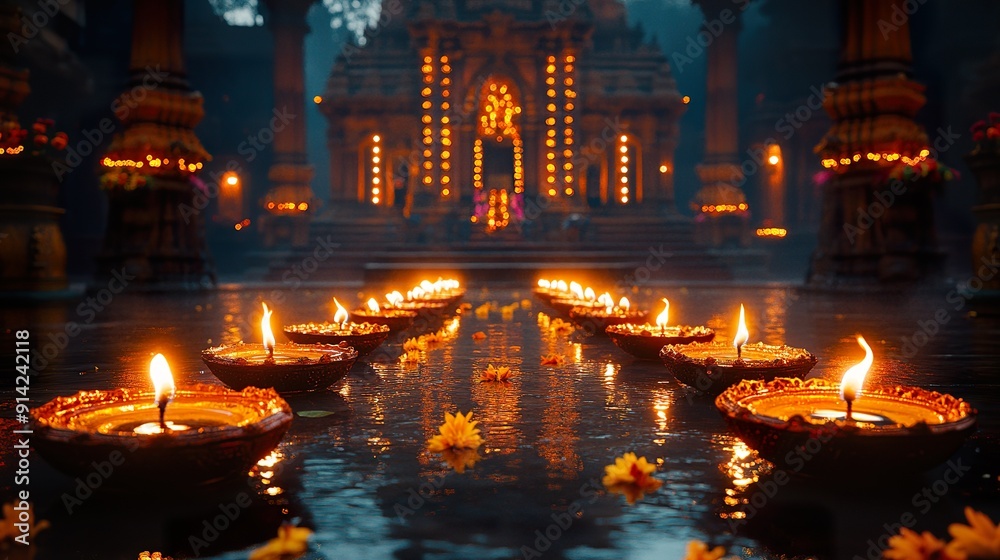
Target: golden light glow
x,y
265,330
544,284
341,316
624,304
771,232
376,170
773,160
231,178
624,170
663,168
854,378
373,306
663,318
724,208
163,380
569,75
589,294
686,99
576,289
742,334
317,99
445,154
845,160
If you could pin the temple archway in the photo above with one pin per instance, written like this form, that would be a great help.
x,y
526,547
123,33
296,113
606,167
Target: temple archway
x,y
498,154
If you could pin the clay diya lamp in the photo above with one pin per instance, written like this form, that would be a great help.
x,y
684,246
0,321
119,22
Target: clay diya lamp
x,y
644,341
448,292
395,319
194,435
595,320
289,368
818,427
713,366
363,337
418,306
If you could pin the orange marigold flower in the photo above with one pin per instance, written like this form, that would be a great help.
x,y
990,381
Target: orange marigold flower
x,y
630,476
980,539
493,373
457,432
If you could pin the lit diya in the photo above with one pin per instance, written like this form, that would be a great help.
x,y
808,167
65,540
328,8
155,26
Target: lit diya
x,y
840,428
645,341
547,290
448,291
579,297
289,368
363,337
395,319
711,367
419,306
594,320
193,435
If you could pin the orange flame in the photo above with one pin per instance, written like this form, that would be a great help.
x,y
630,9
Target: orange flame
x,y
742,334
624,304
854,378
589,294
163,380
265,330
663,318
373,306
341,316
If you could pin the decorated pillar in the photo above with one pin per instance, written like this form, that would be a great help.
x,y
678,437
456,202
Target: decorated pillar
x,y
32,250
877,215
290,198
155,231
720,204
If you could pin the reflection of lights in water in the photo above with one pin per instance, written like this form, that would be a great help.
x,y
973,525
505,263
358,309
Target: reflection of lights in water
x,y
577,352
274,491
265,471
662,399
609,375
775,311
743,467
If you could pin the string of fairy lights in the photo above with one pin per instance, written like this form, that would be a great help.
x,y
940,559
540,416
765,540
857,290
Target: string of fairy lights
x,y
569,104
551,110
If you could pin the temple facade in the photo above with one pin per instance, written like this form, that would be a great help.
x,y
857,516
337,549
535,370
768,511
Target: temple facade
x,y
474,114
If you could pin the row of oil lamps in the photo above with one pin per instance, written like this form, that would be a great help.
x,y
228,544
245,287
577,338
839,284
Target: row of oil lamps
x,y
764,396
217,432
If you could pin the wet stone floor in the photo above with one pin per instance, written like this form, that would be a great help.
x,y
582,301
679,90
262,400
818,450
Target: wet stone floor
x,y
361,478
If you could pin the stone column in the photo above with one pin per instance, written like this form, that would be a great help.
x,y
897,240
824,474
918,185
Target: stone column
x,y
720,173
155,226
861,238
290,174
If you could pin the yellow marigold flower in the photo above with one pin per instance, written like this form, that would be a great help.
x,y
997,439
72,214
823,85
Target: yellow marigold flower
x,y
980,539
698,550
410,357
553,360
460,459
492,373
146,555
560,326
292,542
910,545
457,432
630,476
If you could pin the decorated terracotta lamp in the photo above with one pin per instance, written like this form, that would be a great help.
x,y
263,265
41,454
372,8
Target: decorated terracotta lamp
x,y
595,320
418,306
289,368
644,341
395,319
711,367
193,435
883,431
449,292
363,337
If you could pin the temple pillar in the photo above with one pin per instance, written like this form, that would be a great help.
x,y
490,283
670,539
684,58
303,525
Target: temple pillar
x,y
720,201
652,195
155,230
32,250
862,238
290,198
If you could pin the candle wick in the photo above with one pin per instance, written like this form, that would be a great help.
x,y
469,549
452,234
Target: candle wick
x,y
850,403
163,411
739,352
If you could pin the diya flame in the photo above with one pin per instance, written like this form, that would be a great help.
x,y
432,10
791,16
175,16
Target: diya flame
x,y
265,330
